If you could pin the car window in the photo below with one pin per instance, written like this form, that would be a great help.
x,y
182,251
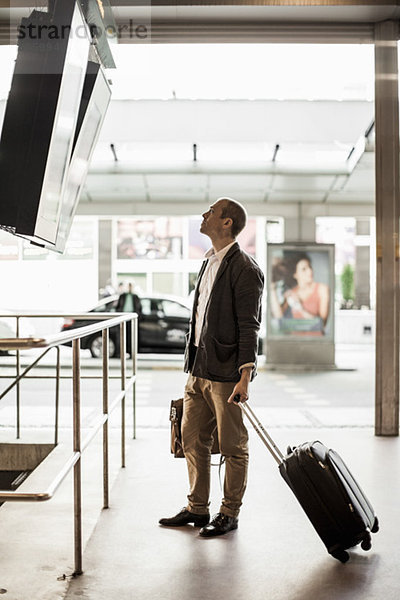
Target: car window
x,y
146,306
174,309
155,306
150,306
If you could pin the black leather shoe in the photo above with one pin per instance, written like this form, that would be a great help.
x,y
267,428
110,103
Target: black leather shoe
x,y
184,518
219,525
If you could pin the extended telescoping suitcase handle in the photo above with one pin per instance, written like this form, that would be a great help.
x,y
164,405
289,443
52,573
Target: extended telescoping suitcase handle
x,y
258,426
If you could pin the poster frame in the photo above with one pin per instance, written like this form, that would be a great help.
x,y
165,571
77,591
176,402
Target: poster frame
x,y
328,278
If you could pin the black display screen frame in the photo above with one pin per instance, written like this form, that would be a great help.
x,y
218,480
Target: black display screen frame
x,y
40,122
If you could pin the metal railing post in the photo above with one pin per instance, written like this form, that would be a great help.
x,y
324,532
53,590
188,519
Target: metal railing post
x,y
17,389
57,399
122,349
134,347
76,384
74,461
105,335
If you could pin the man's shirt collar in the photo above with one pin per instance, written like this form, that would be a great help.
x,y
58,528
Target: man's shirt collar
x,y
220,254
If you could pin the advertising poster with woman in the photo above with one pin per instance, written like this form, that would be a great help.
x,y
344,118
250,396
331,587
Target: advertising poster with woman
x,y
300,290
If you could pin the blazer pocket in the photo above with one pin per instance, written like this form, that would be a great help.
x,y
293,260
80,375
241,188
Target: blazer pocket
x,y
224,352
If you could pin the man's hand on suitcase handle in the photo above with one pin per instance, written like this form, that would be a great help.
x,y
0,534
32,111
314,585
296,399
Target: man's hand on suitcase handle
x,y
237,397
242,386
237,400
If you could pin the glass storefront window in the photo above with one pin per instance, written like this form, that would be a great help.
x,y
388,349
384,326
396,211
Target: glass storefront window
x,y
168,283
158,238
167,252
340,231
81,241
200,243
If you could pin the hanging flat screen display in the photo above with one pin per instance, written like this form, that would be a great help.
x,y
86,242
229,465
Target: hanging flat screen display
x,y
39,129
95,100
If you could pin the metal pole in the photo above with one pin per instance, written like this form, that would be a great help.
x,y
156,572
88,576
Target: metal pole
x,y
18,366
77,448
122,332
387,174
134,345
57,396
105,425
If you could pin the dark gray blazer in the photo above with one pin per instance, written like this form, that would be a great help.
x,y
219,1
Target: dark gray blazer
x,y
229,336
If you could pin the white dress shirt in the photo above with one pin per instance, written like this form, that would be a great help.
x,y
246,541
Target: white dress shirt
x,y
206,284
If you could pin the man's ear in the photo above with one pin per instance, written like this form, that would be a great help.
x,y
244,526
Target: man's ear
x,y
228,222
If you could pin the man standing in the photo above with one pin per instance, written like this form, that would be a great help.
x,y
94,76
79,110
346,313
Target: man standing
x,y
128,301
220,357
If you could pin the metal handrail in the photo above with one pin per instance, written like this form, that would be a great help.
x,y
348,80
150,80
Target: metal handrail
x,y
14,496
54,340
30,343
56,315
74,461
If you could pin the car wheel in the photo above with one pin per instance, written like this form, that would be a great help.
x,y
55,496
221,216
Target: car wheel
x,y
96,347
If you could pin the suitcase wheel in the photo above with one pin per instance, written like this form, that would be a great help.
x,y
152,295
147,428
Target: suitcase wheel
x,y
366,543
375,526
341,555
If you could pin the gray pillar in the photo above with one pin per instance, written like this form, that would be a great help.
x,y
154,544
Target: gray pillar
x,y
105,243
299,228
387,228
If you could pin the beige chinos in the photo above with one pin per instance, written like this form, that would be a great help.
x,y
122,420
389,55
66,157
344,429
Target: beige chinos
x,y
205,409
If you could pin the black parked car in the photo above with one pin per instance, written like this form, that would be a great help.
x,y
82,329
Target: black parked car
x,y
162,325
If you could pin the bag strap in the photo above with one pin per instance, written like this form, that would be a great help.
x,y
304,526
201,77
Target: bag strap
x,y
219,465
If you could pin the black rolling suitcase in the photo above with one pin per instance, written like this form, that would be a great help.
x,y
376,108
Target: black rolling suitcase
x,y
330,496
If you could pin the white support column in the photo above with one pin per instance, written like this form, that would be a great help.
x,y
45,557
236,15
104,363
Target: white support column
x,y
387,229
105,252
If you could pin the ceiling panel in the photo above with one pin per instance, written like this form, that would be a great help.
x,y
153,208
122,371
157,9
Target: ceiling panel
x,y
339,183
115,197
296,196
363,176
302,183
189,183
360,182
239,182
367,197
177,195
232,121
246,196
114,182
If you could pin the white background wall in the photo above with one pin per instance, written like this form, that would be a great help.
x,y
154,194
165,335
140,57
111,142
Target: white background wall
x,y
48,285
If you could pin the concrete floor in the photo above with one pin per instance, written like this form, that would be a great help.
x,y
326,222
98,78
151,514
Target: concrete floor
x,y
275,554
